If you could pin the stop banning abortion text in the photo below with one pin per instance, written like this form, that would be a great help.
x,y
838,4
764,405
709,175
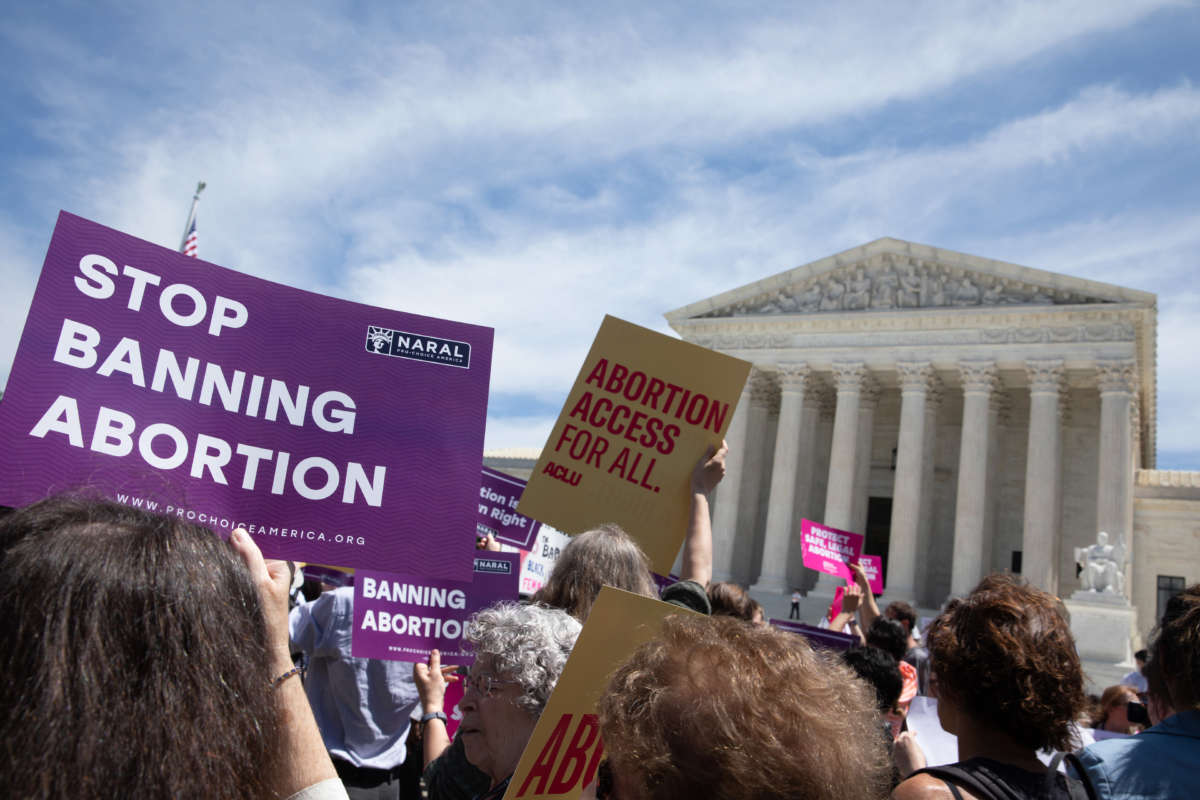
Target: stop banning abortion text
x,y
164,446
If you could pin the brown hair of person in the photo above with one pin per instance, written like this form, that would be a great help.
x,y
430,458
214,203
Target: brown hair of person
x,y
134,658
1176,646
731,600
1110,698
713,707
603,556
1005,655
903,613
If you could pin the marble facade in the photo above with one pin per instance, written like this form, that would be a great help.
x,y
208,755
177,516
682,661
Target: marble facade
x,y
997,409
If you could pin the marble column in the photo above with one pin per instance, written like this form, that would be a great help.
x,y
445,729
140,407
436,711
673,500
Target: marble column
x,y
1114,493
967,566
793,382
1043,475
747,547
903,552
843,454
839,496
867,403
926,596
728,494
810,464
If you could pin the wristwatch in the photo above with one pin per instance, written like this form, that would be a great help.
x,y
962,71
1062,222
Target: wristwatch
x,y
428,715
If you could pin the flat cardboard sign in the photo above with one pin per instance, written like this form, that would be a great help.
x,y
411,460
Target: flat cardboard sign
x,y
498,497
565,749
829,550
402,618
643,410
539,563
334,432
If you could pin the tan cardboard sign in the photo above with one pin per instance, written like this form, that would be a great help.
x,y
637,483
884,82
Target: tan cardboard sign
x,y
565,748
641,413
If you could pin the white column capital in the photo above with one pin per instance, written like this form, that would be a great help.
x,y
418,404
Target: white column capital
x,y
978,377
1046,375
1117,376
915,376
793,378
849,376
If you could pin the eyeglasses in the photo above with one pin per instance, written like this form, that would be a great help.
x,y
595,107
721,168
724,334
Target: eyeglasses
x,y
485,685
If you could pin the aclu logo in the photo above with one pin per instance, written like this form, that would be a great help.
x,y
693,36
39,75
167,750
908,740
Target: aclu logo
x,y
495,566
418,347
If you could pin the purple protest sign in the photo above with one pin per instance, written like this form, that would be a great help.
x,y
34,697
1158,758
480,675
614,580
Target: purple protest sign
x,y
334,432
498,497
829,550
873,567
402,618
817,637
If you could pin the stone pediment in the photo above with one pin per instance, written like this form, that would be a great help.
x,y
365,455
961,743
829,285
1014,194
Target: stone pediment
x,y
891,274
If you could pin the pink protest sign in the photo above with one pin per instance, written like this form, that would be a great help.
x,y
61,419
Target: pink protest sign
x,y
873,567
402,618
334,432
829,550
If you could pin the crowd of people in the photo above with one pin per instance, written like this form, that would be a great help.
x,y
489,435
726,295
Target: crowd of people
x,y
144,657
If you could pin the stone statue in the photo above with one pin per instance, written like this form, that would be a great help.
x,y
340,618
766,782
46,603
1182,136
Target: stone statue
x,y
885,289
832,301
810,300
859,296
909,295
1102,565
967,293
937,291
994,295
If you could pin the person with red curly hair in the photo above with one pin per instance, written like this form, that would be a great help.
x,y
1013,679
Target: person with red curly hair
x,y
714,707
1009,684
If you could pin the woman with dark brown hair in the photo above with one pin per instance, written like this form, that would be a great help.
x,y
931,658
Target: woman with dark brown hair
x,y
713,707
143,657
1009,684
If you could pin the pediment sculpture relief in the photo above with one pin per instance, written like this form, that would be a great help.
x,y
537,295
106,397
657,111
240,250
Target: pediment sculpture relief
x,y
893,282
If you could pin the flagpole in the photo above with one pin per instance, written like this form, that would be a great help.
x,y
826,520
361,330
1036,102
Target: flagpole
x,y
191,215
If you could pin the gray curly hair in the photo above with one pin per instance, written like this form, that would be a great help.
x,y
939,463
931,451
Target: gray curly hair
x,y
528,644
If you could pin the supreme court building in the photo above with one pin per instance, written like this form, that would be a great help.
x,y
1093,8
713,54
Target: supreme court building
x,y
967,415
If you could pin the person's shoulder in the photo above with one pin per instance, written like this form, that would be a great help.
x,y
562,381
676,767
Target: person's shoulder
x,y
924,787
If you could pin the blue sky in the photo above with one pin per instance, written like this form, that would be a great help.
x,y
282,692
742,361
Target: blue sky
x,y
533,166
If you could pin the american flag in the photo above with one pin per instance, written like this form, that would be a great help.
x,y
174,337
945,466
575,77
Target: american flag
x,y
189,243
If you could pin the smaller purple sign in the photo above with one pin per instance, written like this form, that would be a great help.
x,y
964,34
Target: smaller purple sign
x,y
662,583
402,618
498,498
817,637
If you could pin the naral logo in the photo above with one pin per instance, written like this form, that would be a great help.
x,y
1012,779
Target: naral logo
x,y
494,565
418,347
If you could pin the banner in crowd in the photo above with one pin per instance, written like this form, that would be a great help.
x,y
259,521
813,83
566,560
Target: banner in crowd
x,y
873,569
565,749
537,565
817,637
829,550
402,618
643,410
333,431
498,498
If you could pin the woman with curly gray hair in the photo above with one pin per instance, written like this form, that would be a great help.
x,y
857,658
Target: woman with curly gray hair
x,y
520,650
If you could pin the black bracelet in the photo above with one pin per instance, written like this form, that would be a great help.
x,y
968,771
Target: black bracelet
x,y
433,715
